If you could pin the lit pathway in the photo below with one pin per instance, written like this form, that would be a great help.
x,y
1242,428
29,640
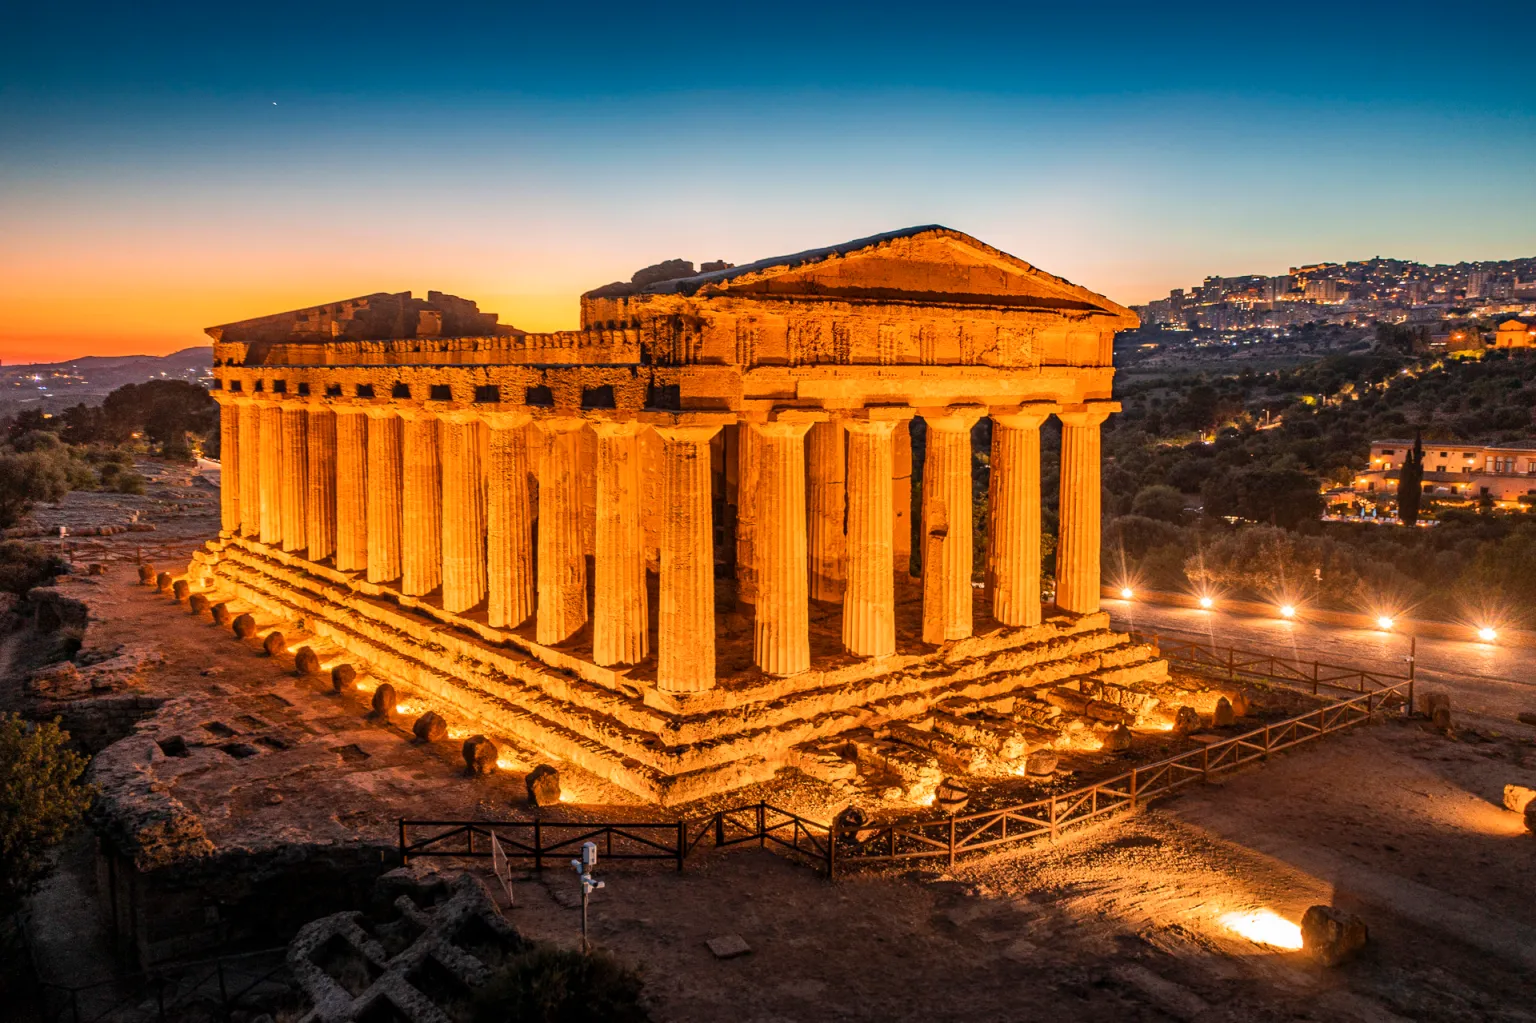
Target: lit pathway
x,y
1483,678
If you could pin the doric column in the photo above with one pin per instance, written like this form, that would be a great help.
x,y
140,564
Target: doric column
x,y
271,447
1013,510
351,488
620,617
828,543
229,465
1077,544
421,517
947,523
781,626
869,599
250,467
509,522
295,476
562,565
464,546
746,514
320,508
685,641
901,499
385,509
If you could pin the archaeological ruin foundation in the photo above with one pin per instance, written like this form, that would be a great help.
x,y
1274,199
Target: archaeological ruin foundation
x,y
674,547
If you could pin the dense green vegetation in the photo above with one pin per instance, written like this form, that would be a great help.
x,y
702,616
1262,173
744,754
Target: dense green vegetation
x,y
41,798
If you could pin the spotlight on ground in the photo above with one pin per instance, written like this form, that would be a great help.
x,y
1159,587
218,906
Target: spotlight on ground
x,y
1384,623
1126,593
1263,927
1287,611
1487,635
1207,603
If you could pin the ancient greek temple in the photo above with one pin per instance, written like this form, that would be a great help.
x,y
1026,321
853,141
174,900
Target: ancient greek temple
x,y
675,547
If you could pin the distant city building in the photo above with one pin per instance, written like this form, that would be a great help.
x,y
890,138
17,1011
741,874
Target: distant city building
x,y
1515,334
1452,472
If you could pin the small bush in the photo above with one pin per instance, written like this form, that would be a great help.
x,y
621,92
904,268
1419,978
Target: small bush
x,y
548,985
25,565
129,482
41,798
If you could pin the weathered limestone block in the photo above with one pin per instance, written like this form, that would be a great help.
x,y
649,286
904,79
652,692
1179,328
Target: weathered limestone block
x,y
164,582
222,615
274,643
952,754
245,626
306,662
1331,936
342,677
1223,716
543,784
480,755
181,590
1186,721
1518,798
1437,707
1041,763
430,727
951,797
917,770
146,574
197,603
1001,738
1117,740
384,701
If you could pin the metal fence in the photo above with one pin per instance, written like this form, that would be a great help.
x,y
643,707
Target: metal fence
x,y
834,847
221,986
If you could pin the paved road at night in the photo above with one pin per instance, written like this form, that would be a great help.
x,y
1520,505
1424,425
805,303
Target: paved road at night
x,y
1484,678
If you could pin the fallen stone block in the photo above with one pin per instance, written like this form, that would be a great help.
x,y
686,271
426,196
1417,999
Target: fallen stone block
x,y
146,574
274,644
1117,740
543,784
244,626
222,614
1186,721
480,755
163,582
306,662
342,677
728,946
1437,707
999,738
1223,715
1331,936
197,603
384,701
1041,764
180,589
430,727
1518,798
951,797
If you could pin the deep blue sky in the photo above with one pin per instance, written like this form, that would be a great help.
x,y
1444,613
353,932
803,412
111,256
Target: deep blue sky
x,y
163,166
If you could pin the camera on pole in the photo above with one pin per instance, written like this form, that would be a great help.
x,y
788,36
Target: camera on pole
x,y
589,884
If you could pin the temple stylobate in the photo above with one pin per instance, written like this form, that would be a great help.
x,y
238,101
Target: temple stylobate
x,y
675,547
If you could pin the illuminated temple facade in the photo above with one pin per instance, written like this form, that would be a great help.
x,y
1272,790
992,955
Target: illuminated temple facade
x,y
674,547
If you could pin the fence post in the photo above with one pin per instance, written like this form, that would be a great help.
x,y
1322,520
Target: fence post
x,y
404,859
762,834
1055,830
719,829
951,842
832,850
1205,764
682,843
538,847
1133,790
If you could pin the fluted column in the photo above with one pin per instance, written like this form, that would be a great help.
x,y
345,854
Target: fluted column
x,y
562,564
509,522
320,508
685,654
295,475
351,489
947,522
385,510
271,447
421,521
620,617
901,499
781,626
827,539
229,465
746,514
250,467
869,598
463,503
1013,517
1077,544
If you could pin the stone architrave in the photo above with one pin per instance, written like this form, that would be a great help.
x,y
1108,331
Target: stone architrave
x,y
421,516
250,467
869,598
685,642
781,625
1013,555
463,516
351,489
620,616
1077,546
562,576
828,475
948,544
271,447
385,494
229,466
294,469
320,505
509,521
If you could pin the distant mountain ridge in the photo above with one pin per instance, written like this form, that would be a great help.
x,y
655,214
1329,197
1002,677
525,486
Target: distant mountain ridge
x,y
188,358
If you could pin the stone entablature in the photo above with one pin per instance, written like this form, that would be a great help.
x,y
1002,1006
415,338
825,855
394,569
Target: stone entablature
x,y
576,495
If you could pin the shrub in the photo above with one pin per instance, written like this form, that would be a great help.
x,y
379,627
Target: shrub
x,y
25,565
543,984
41,798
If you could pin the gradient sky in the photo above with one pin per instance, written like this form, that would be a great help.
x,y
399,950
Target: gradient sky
x,y
168,166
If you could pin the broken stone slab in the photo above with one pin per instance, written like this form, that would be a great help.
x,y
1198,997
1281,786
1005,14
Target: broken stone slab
x,y
951,754
244,626
480,755
1223,715
1518,798
342,677
728,946
181,590
1331,936
1041,764
1117,740
1003,739
430,727
146,574
197,603
1186,721
384,701
917,770
306,662
163,582
951,797
274,644
222,614
543,784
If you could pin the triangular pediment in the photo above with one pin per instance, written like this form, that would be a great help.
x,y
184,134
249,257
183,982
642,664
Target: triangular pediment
x,y
928,264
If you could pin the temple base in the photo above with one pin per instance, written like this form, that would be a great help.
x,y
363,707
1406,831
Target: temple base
x,y
669,748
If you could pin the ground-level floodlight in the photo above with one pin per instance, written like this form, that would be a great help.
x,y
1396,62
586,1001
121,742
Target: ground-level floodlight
x,y
1206,602
589,884
1487,634
1126,593
1287,611
1384,623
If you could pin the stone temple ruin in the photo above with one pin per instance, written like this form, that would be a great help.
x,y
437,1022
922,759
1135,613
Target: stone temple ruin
x,y
673,547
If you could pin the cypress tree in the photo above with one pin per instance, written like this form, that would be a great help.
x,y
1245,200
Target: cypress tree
x,y
1410,484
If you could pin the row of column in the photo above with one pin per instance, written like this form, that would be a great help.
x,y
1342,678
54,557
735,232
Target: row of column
x,y
443,501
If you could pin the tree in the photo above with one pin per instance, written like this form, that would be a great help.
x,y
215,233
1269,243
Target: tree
x,y
1410,484
26,478
1159,502
41,798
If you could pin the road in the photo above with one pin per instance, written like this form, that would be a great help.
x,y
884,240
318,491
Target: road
x,y
1484,678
